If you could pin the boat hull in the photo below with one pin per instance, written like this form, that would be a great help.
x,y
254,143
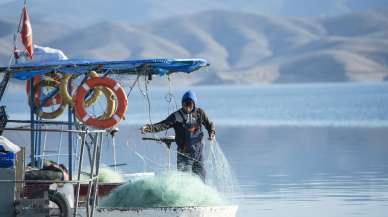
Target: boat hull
x,y
195,211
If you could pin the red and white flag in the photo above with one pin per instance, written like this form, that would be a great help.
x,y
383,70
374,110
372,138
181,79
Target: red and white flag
x,y
26,33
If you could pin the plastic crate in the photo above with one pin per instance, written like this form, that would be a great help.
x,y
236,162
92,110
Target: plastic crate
x,y
7,159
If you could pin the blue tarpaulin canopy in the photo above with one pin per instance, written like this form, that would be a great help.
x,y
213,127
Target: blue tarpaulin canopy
x,y
154,66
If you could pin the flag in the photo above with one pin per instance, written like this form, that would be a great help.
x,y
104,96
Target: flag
x,y
26,33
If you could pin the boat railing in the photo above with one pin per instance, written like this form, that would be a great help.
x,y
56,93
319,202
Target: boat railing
x,y
91,142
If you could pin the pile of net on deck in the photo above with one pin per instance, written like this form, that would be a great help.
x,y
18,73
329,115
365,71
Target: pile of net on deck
x,y
109,176
172,189
106,175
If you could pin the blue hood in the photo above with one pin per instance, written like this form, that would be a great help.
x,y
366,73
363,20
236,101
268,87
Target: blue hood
x,y
189,95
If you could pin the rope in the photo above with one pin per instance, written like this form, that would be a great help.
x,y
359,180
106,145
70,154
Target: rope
x,y
133,85
149,114
136,153
148,103
150,120
170,98
143,157
76,154
133,150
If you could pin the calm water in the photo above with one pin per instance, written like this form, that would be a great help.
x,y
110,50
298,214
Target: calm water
x,y
297,150
349,105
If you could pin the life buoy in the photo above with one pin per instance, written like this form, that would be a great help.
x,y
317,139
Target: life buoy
x,y
110,103
121,107
56,99
52,114
67,96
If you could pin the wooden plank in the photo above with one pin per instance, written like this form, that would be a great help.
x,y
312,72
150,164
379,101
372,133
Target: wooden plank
x,y
20,167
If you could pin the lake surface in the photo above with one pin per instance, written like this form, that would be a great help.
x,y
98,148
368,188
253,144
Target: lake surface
x,y
297,150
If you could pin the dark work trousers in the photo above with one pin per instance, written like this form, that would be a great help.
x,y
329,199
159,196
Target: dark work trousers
x,y
190,162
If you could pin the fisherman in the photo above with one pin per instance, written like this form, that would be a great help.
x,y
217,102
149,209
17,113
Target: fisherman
x,y
187,123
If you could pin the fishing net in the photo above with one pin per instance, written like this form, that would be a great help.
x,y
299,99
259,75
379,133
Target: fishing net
x,y
219,173
172,189
107,175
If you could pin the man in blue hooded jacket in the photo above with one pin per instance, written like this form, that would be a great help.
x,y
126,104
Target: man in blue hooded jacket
x,y
187,123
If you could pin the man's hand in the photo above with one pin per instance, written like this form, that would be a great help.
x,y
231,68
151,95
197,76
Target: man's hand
x,y
145,129
212,136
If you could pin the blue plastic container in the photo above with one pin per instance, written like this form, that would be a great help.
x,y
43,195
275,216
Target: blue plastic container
x,y
7,159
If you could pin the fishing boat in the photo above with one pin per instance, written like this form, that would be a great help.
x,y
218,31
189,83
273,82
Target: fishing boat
x,y
86,192
60,92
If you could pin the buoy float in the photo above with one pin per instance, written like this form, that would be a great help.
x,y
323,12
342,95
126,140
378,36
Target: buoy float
x,y
67,96
110,103
79,103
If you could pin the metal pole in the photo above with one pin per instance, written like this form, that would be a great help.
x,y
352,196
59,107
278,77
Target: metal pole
x,y
39,122
92,176
60,146
93,140
75,139
36,135
79,172
38,146
70,126
50,130
32,119
44,147
95,193
114,152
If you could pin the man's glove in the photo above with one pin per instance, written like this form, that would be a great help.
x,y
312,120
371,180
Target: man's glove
x,y
145,129
212,135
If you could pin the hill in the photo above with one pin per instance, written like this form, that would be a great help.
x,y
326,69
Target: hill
x,y
242,47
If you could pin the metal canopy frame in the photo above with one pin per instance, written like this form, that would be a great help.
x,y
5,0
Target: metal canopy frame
x,y
91,140
125,67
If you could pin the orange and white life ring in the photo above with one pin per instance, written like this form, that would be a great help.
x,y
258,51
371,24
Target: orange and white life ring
x,y
55,100
88,119
52,112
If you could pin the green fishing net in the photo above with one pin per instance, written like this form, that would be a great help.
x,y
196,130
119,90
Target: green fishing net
x,y
173,189
107,175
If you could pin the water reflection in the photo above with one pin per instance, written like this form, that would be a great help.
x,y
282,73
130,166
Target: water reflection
x,y
304,171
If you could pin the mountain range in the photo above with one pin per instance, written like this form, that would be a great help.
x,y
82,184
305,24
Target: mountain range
x,y
242,47
87,12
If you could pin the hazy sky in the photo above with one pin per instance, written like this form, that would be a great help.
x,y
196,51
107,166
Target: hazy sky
x,y
85,12
277,7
